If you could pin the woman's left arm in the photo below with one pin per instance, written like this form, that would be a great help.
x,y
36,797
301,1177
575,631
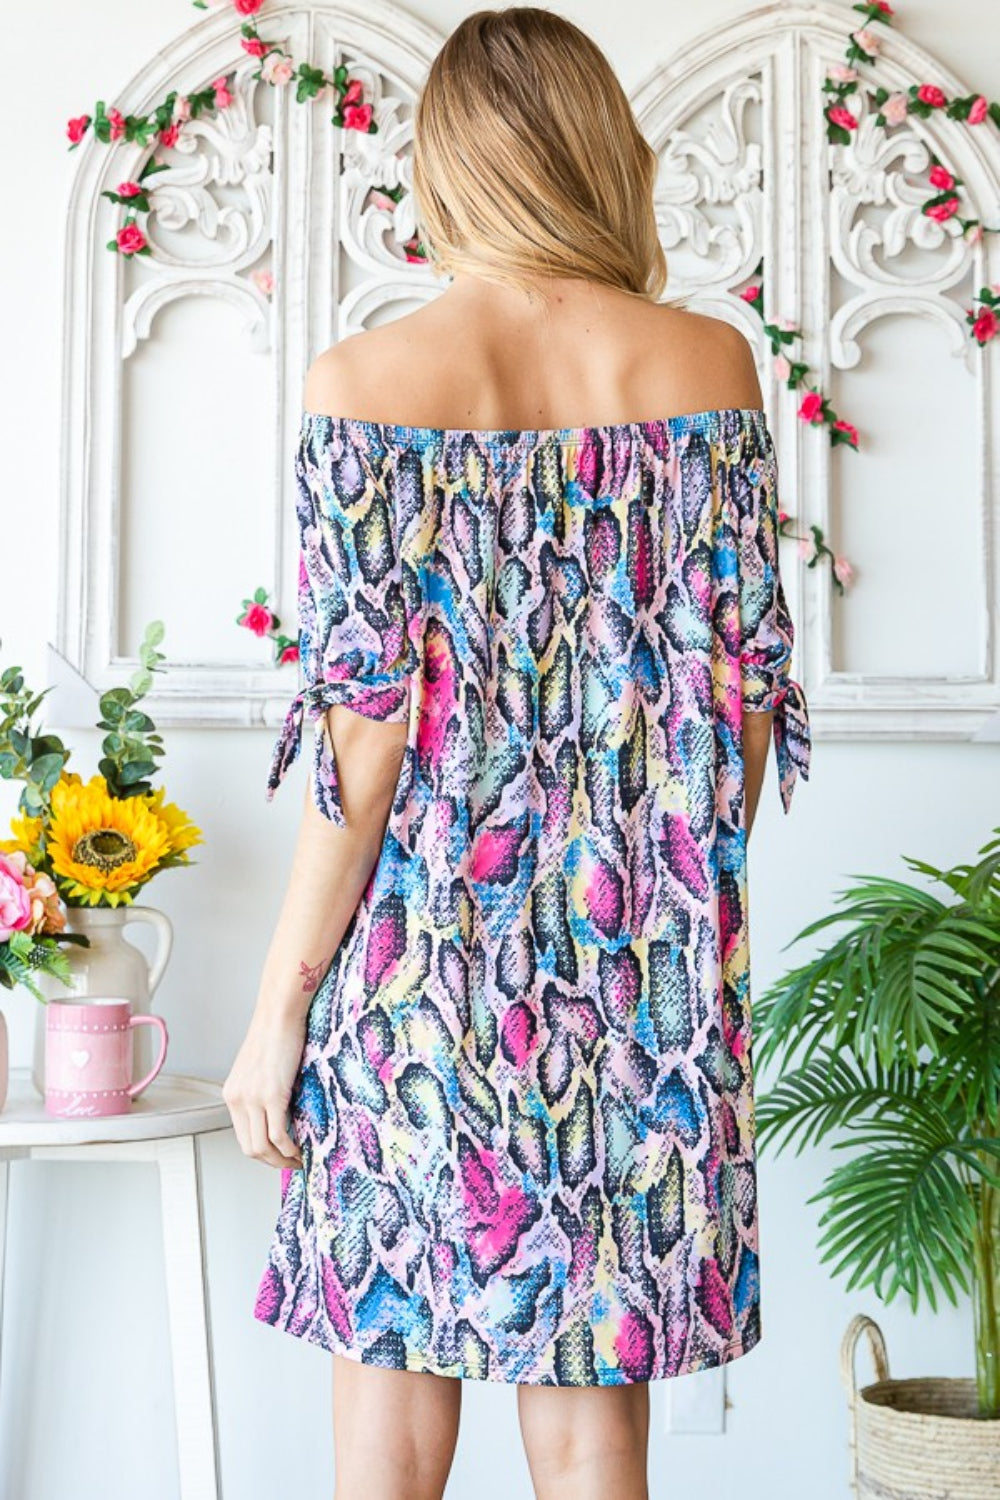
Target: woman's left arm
x,y
331,866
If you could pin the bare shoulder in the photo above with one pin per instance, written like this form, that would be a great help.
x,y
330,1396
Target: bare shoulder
x,y
719,359
360,375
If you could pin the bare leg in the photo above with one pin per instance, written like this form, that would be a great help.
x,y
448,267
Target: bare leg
x,y
586,1443
394,1431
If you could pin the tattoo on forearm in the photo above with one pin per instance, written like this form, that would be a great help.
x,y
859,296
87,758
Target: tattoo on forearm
x,y
311,975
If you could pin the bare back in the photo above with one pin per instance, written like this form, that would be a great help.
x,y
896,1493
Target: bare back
x,y
483,356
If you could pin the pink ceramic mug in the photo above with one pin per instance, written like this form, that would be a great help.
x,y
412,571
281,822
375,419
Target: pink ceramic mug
x,y
88,1057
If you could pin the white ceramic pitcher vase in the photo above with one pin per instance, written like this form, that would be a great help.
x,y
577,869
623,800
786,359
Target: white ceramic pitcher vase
x,y
110,968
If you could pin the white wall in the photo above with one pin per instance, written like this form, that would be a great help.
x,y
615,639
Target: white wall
x,y
86,1402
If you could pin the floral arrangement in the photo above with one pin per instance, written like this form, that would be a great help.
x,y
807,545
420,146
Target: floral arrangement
x,y
259,618
86,843
32,923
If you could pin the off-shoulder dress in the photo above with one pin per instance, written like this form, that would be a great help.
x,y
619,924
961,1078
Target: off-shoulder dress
x,y
525,1100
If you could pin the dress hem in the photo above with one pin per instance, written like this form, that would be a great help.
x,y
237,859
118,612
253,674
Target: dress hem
x,y
419,1364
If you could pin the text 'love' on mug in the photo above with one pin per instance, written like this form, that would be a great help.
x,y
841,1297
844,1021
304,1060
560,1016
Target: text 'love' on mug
x,y
88,1057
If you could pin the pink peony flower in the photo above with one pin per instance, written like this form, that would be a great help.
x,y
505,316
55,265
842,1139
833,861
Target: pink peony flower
x,y
979,110
357,116
972,234
182,109
929,93
811,409
852,432
941,178
77,128
223,98
843,571
841,73
781,367
15,903
838,115
248,7
807,548
940,212
253,45
117,122
985,326
750,293
169,136
866,40
895,109
128,190
258,619
353,92
277,68
263,281
130,239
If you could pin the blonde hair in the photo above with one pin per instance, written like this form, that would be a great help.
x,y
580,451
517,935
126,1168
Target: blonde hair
x,y
528,159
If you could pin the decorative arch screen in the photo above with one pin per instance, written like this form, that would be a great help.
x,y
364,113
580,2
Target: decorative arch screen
x,y
184,378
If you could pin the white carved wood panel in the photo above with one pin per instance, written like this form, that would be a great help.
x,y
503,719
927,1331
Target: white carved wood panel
x,y
746,173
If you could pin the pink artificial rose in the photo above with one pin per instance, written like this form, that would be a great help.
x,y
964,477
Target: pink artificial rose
x,y
843,571
223,98
979,110
130,239
884,7
290,653
353,92
357,116
895,109
866,40
77,128
972,234
942,211
929,93
783,516
117,122
811,409
129,190
248,7
15,904
985,326
781,367
254,46
182,109
169,136
258,619
263,281
838,115
750,293
941,178
378,199
277,68
841,73
807,548
852,432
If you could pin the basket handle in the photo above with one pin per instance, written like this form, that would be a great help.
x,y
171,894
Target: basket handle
x,y
858,1325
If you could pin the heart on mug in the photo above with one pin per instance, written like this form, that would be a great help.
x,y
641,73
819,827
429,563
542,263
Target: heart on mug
x,y
81,1058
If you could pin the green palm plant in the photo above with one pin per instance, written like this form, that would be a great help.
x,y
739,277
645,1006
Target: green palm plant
x,y
889,1042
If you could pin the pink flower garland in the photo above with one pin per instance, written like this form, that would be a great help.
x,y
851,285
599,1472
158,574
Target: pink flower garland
x,y
923,100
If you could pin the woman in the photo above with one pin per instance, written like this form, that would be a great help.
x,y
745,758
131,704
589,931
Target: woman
x,y
501,1048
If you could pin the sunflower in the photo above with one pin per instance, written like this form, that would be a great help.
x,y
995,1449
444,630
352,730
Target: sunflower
x,y
181,830
102,847
29,837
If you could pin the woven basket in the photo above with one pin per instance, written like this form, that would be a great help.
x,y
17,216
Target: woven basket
x,y
916,1439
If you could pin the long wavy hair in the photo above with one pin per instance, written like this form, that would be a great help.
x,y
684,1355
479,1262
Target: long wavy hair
x,y
528,160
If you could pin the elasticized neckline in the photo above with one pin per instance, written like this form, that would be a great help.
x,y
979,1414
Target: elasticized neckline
x,y
400,433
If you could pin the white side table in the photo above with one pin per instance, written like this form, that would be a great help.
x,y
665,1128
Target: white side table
x,y
163,1127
